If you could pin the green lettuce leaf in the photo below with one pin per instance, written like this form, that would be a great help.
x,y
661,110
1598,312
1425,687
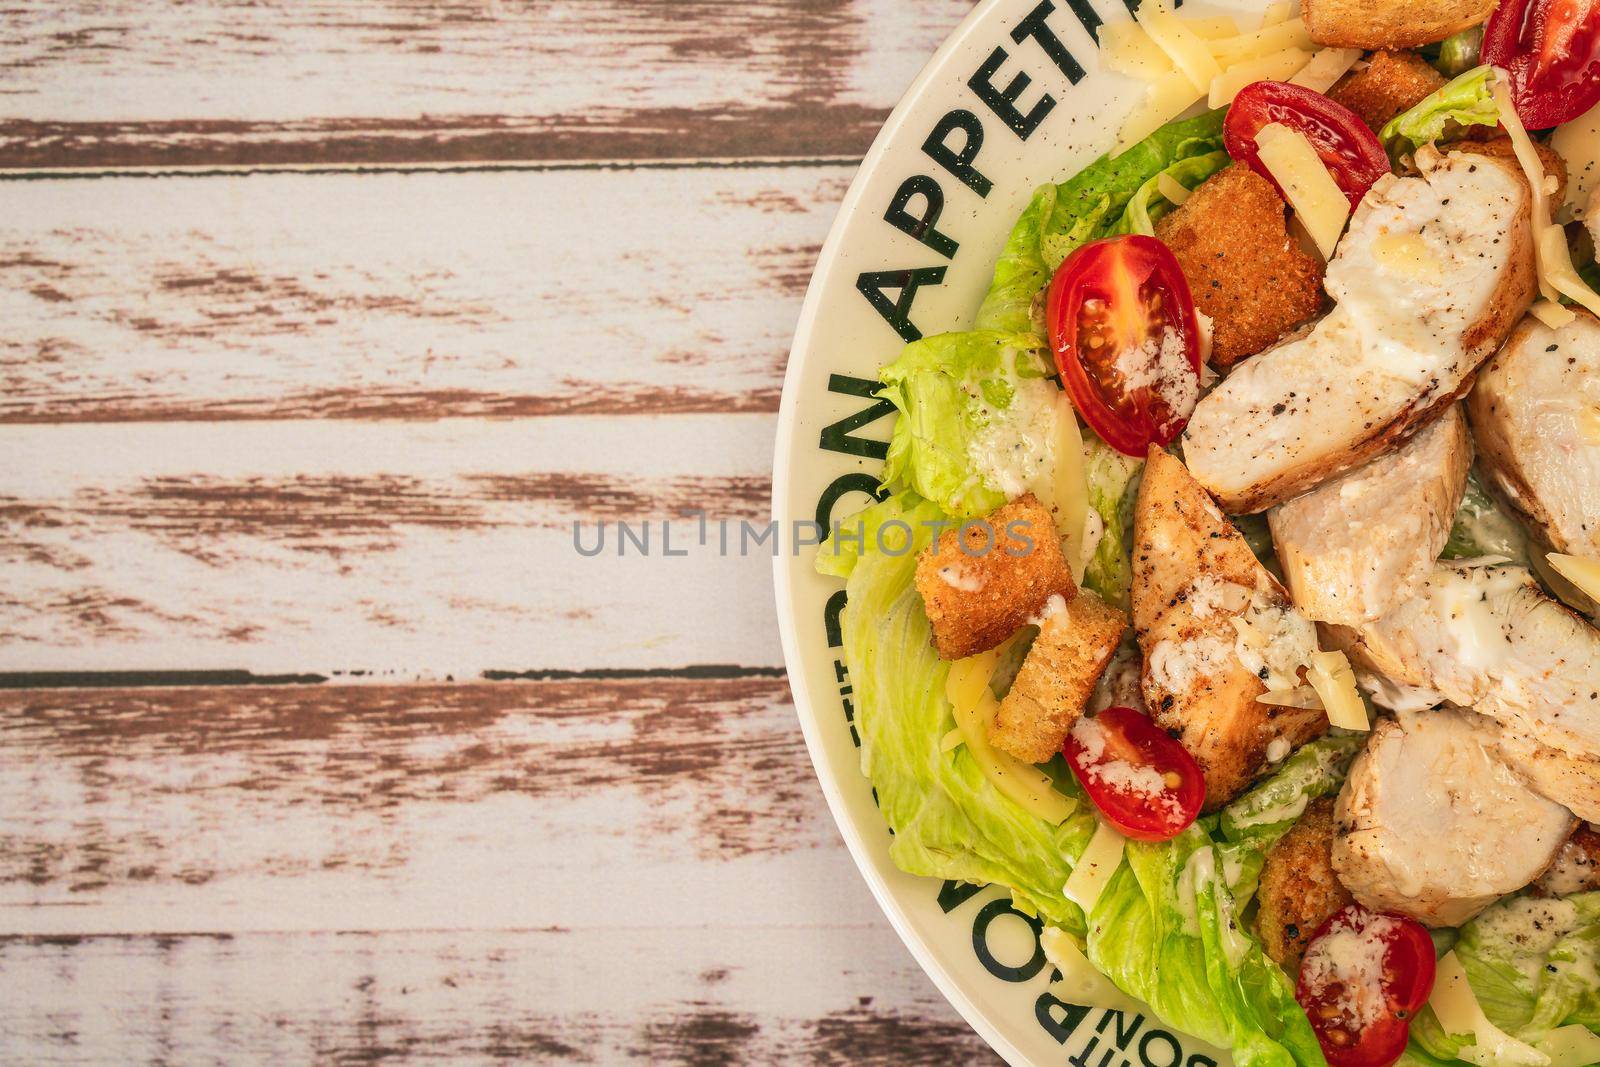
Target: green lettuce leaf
x,y
1113,486
1169,928
1534,965
1443,114
948,820
1148,203
967,395
1063,217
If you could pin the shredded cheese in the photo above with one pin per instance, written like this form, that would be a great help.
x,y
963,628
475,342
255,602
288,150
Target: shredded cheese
x,y
1316,198
1093,871
1301,696
1578,143
1557,276
1189,52
1574,1045
1275,67
1126,48
1169,187
1275,38
1459,1012
1581,571
973,705
1067,493
1167,97
1080,980
1335,682
1552,314
1325,68
1279,11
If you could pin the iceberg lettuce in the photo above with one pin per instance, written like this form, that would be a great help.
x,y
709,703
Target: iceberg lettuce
x,y
948,820
1093,204
1442,114
963,397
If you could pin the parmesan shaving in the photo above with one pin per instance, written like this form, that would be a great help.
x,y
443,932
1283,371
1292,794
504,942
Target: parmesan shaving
x,y
1557,276
1280,11
1187,50
1168,97
1325,68
974,706
1275,38
1175,191
1275,67
1318,201
1301,696
1126,48
1094,868
1459,1013
1067,491
1551,313
1574,1045
1335,682
1581,571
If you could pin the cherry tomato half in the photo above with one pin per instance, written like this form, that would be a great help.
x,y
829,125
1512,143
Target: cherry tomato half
x,y
1346,145
1551,49
1126,340
1144,783
1364,977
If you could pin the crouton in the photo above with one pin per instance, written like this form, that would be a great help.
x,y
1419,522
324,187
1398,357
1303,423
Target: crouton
x,y
1499,146
1387,24
1247,272
982,581
1298,889
1576,868
1391,83
1074,645
1217,631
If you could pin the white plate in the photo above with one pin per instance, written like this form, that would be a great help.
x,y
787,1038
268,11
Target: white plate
x,y
982,955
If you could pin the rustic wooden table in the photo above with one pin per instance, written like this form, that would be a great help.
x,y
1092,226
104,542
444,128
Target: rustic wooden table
x,y
323,321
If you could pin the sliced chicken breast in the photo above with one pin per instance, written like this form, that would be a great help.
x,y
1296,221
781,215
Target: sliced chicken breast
x,y
1432,824
1217,631
1432,275
1488,638
1354,548
1570,779
1536,417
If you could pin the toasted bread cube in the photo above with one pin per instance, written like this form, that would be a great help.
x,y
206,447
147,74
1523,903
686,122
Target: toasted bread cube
x,y
1391,83
1074,645
982,582
1299,889
1247,271
1388,24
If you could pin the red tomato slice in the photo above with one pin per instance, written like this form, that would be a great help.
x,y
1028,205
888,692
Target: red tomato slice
x,y
1127,343
1364,977
1346,145
1144,783
1551,49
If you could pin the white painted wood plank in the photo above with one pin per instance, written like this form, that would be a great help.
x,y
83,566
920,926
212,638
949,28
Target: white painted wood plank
x,y
831,995
656,802
405,295
398,549
287,79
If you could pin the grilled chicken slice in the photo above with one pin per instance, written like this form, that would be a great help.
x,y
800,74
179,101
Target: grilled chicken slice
x,y
1432,824
1487,637
1570,779
1217,631
1432,275
1536,418
1354,548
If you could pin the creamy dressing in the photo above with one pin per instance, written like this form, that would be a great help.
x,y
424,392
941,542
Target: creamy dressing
x,y
1350,959
1012,447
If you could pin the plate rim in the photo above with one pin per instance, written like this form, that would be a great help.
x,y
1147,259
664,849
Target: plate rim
x,y
783,456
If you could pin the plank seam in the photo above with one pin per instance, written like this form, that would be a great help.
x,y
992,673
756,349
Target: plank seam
x,y
181,679
531,166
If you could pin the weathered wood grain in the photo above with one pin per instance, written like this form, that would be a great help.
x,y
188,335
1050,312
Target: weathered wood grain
x,y
283,81
405,295
831,994
579,803
389,549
